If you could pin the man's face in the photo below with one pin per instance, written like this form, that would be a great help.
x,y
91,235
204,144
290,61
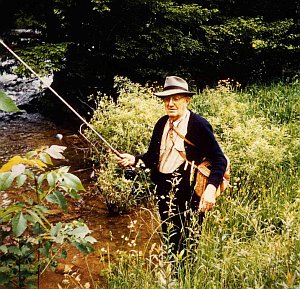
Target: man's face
x,y
176,105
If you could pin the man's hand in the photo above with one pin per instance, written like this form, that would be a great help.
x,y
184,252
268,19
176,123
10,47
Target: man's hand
x,y
208,199
126,160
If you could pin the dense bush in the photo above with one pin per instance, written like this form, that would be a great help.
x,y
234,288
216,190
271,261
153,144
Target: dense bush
x,y
127,124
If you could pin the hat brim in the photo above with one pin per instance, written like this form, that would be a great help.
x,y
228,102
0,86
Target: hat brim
x,y
173,92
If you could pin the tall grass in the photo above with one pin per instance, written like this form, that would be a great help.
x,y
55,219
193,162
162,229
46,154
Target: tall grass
x,y
252,237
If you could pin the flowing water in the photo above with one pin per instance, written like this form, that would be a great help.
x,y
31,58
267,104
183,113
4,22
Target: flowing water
x,y
21,132
17,136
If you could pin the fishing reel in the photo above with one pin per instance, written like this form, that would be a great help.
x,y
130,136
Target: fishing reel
x,y
130,173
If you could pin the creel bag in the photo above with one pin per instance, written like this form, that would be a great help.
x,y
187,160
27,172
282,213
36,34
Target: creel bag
x,y
202,175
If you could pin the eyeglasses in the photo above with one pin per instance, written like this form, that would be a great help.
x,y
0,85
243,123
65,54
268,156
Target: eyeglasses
x,y
175,98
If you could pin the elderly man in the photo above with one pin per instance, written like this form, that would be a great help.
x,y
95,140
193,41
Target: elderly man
x,y
179,138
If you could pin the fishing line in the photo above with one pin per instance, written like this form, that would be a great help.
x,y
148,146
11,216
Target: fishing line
x,y
65,102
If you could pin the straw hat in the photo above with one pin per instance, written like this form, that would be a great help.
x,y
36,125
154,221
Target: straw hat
x,y
174,85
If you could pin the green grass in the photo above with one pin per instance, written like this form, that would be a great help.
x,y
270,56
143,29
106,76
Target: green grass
x,y
252,238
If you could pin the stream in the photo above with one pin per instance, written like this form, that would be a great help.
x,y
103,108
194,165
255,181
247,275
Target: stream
x,y
21,132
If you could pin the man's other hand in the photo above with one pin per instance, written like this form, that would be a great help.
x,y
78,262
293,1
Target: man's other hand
x,y
208,199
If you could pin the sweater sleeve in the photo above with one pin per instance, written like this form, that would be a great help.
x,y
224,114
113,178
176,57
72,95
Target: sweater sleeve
x,y
211,150
215,155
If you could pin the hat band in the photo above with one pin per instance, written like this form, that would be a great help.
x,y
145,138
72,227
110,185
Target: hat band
x,y
174,87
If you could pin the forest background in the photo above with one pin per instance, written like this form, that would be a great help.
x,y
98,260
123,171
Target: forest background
x,y
87,43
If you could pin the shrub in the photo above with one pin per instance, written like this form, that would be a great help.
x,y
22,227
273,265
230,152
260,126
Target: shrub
x,y
29,242
127,124
261,151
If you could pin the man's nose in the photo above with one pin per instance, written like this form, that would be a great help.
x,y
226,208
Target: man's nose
x,y
171,102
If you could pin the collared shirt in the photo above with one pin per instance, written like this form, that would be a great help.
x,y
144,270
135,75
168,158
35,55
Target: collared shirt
x,y
171,143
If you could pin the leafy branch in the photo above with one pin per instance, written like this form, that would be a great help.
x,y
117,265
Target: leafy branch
x,y
29,242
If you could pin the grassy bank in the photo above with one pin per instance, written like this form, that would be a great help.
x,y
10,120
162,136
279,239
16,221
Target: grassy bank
x,y
252,237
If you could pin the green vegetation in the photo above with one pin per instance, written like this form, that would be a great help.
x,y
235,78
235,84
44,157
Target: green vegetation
x,y
250,41
29,241
7,104
48,56
252,238
127,125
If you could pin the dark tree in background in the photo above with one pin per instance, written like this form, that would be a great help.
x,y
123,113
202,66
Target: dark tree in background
x,y
91,41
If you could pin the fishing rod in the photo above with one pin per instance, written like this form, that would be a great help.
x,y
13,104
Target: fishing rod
x,y
65,102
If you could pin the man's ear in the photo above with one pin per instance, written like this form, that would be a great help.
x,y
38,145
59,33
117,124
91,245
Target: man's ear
x,y
188,99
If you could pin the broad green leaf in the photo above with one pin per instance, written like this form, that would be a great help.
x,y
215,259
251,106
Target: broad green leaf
x,y
81,232
85,248
44,157
25,250
36,217
73,182
46,246
55,232
55,229
51,178
63,169
73,194
14,250
19,224
21,180
31,154
90,239
55,151
6,180
40,179
58,198
30,174
3,249
7,104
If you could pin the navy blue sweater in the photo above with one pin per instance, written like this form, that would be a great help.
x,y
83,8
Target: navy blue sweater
x,y
200,133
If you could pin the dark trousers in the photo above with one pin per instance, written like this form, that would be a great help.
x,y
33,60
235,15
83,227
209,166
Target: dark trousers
x,y
177,202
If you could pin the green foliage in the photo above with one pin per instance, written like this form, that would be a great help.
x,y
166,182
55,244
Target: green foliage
x,y
259,146
278,102
126,124
29,242
224,256
252,238
7,104
43,59
147,40
254,32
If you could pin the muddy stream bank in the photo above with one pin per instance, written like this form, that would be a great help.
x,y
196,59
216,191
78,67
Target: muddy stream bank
x,y
19,135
